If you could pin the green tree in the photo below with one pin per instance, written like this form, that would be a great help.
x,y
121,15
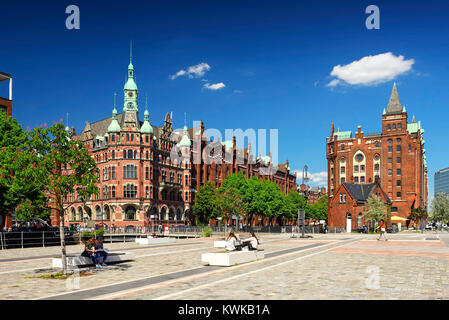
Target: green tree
x,y
320,208
205,206
229,203
440,207
375,209
66,164
21,185
418,215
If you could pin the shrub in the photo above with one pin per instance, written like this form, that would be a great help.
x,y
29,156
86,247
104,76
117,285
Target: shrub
x,y
207,232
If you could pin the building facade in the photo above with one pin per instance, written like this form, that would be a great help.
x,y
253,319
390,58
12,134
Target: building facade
x,y
149,174
441,182
6,101
6,106
395,157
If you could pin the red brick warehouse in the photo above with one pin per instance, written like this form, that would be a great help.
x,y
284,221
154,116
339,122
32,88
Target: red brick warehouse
x,y
395,157
139,178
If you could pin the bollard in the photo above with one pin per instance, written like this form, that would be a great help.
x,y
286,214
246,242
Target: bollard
x,y
21,238
43,239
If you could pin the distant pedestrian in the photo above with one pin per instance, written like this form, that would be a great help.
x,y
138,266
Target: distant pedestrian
x,y
382,229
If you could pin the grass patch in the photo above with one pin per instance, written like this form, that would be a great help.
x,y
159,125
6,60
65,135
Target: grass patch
x,y
59,276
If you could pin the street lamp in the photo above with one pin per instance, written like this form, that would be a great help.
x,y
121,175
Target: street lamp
x,y
305,178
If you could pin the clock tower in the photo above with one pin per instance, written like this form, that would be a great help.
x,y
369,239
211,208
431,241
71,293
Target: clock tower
x,y
130,90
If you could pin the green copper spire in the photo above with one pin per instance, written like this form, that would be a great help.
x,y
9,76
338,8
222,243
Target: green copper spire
x,y
114,126
130,89
146,127
185,141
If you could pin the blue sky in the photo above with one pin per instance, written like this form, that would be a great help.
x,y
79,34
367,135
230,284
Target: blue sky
x,y
275,59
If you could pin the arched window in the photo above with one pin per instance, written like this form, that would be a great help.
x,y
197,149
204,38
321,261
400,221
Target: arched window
x,y
171,214
130,154
178,215
124,154
342,147
98,214
113,191
376,144
127,137
130,213
135,154
113,154
113,138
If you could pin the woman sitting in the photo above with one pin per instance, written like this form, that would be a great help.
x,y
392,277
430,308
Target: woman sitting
x,y
233,242
251,242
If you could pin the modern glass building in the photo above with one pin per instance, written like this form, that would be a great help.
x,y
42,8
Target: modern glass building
x,y
442,181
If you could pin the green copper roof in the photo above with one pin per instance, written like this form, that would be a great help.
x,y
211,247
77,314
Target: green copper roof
x,y
342,135
415,127
185,141
146,128
114,126
130,84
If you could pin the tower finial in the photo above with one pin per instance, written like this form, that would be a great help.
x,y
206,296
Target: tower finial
x,y
146,101
115,99
185,119
131,52
67,119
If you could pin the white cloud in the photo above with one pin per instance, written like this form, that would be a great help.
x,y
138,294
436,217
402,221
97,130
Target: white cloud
x,y
371,70
216,86
196,71
318,179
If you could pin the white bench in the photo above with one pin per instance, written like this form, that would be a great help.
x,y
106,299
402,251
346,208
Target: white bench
x,y
222,244
154,240
79,261
232,257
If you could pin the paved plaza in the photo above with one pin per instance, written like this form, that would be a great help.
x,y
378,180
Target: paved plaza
x,y
327,266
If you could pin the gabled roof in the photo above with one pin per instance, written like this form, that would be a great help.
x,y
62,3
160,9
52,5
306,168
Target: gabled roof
x,y
361,192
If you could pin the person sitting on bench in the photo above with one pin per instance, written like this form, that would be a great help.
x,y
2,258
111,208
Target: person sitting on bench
x,y
89,251
101,251
232,242
251,242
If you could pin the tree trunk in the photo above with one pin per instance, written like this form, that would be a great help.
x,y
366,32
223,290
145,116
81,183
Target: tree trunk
x,y
62,236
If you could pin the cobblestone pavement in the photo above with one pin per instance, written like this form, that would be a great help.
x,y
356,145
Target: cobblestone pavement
x,y
344,266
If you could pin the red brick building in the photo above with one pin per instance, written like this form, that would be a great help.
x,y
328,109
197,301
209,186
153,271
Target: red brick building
x,y
312,193
6,106
348,204
150,174
396,157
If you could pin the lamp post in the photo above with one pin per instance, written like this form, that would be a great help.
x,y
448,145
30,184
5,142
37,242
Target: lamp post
x,y
305,178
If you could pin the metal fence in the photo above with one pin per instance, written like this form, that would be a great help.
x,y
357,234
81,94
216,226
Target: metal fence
x,y
24,239
11,240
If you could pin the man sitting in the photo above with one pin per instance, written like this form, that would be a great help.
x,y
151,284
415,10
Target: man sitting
x,y
101,251
89,251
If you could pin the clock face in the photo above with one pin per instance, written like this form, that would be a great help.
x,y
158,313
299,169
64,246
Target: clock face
x,y
130,94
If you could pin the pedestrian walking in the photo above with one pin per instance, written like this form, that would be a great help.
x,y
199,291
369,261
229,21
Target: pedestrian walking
x,y
382,229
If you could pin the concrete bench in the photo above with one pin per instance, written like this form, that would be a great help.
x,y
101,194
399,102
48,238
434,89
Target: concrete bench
x,y
154,240
231,258
81,261
222,244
